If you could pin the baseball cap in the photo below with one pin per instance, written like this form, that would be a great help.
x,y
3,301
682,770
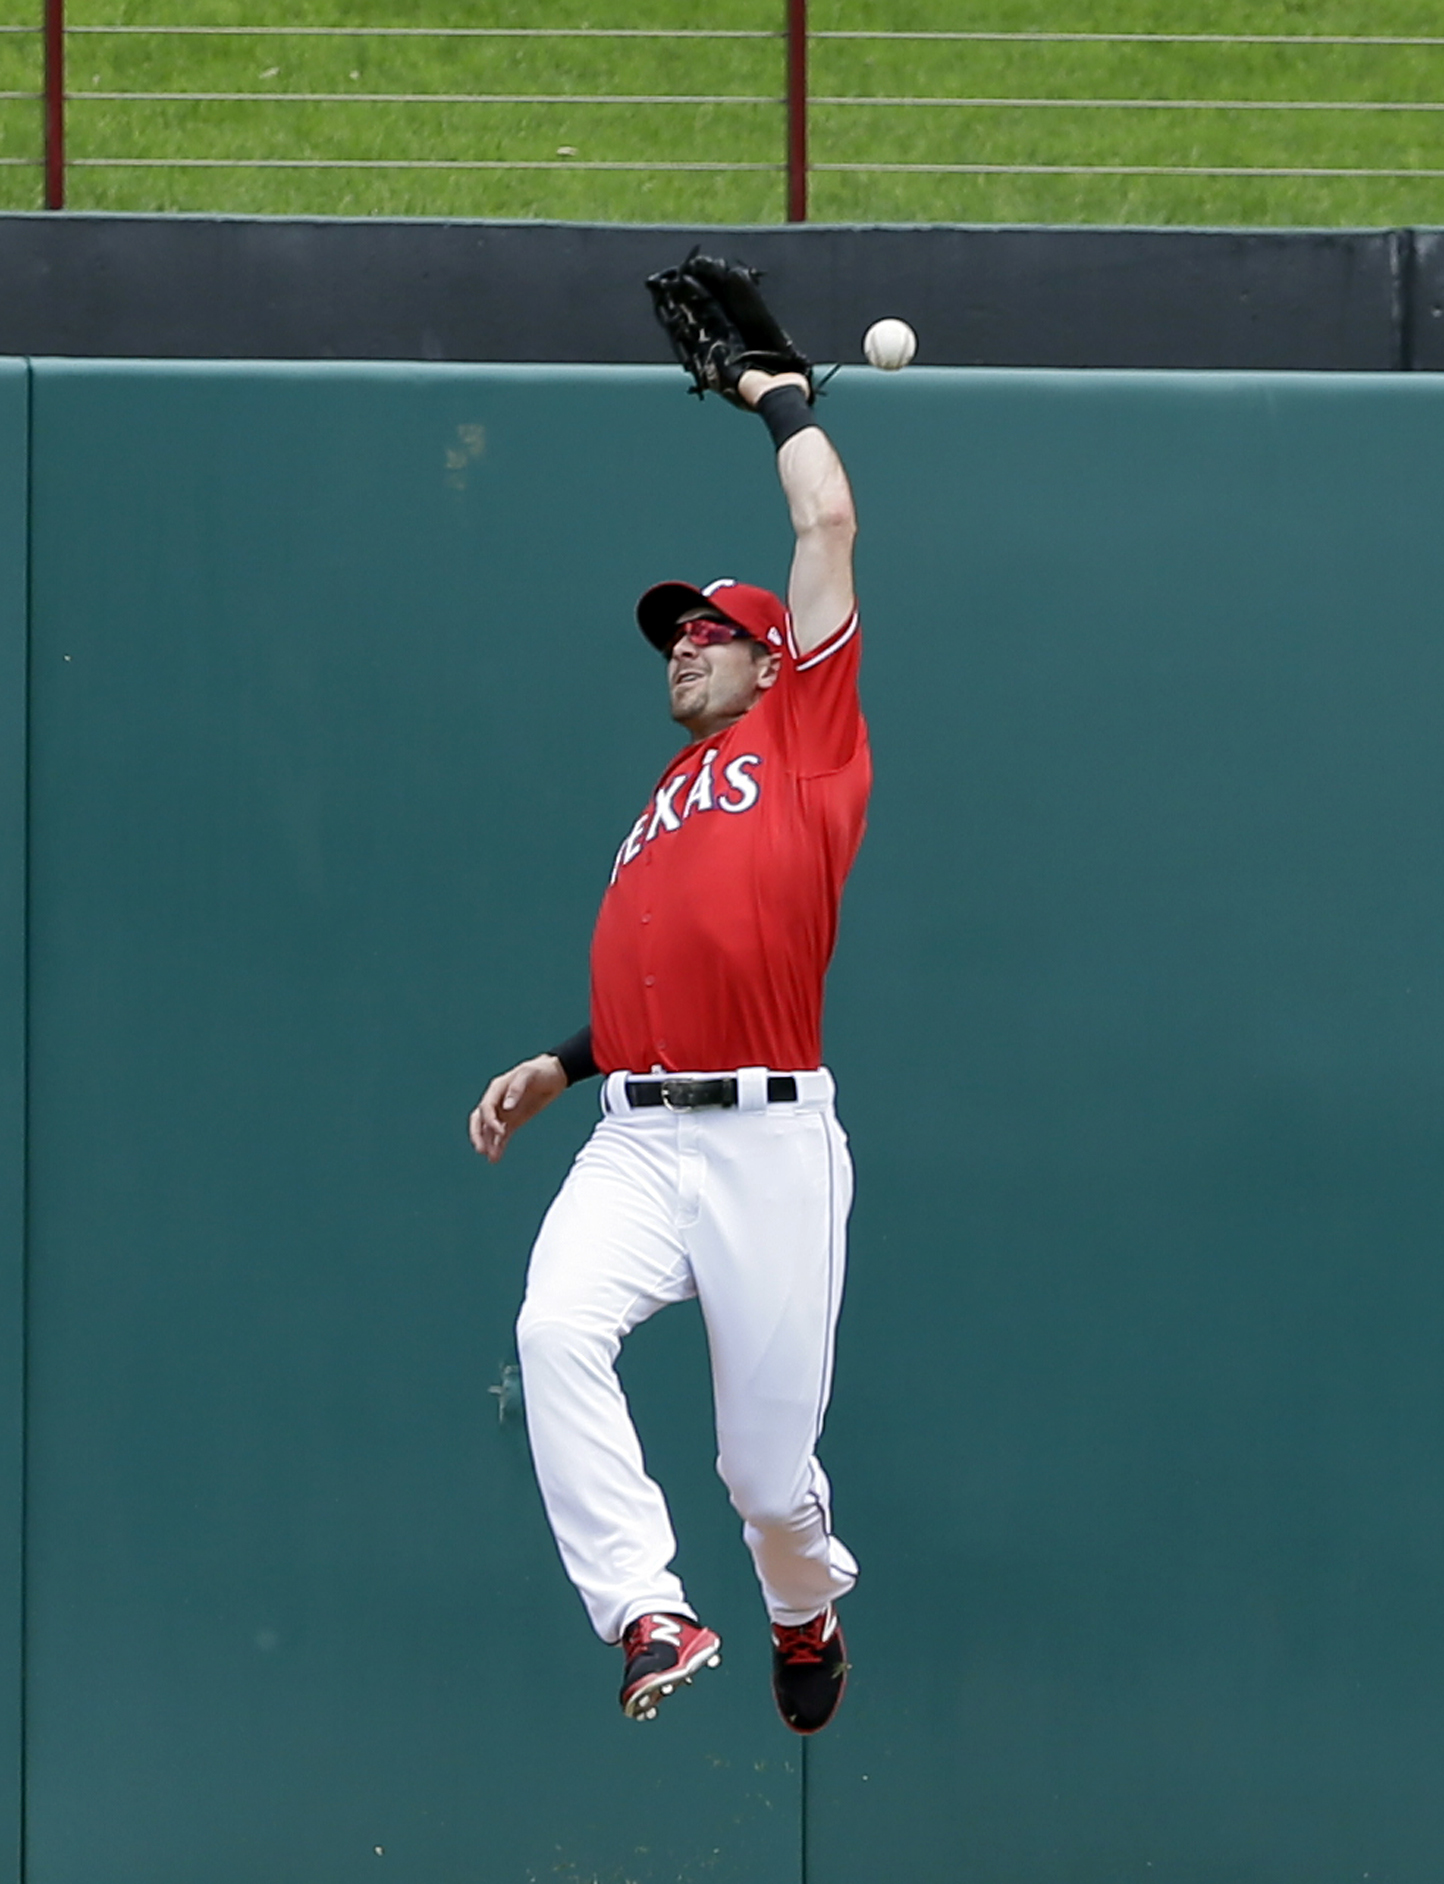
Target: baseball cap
x,y
758,611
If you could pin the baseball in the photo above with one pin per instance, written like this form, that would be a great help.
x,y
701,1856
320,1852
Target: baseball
x,y
889,345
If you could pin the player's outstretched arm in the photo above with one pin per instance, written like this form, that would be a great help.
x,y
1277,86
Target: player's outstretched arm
x,y
824,521
511,1099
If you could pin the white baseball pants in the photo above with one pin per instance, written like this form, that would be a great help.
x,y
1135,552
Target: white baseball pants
x,y
746,1209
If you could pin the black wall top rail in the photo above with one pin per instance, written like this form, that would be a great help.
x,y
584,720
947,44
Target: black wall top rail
x,y
280,288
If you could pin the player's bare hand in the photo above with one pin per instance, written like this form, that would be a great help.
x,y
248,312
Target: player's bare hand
x,y
513,1098
755,384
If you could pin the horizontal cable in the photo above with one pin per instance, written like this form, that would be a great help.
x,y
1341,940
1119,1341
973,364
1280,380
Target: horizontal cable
x,y
419,98
739,98
1125,170
1142,104
379,163
1157,39
695,32
22,94
462,163
431,32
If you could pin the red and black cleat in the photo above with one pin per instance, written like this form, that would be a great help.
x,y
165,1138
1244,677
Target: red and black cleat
x,y
663,1653
809,1671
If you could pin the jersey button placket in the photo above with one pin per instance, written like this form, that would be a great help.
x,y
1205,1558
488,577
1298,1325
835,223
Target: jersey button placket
x,y
649,980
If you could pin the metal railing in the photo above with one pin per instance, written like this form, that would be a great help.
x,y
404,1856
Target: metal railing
x,y
793,34
795,164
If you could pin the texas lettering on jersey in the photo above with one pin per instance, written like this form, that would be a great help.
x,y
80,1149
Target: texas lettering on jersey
x,y
720,916
739,791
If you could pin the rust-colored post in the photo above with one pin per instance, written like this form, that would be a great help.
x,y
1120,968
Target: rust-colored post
x,y
797,110
55,104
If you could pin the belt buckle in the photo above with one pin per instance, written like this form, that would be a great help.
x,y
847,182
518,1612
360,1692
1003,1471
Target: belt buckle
x,y
673,1094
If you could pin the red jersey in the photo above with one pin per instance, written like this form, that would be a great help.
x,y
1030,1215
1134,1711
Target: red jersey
x,y
719,922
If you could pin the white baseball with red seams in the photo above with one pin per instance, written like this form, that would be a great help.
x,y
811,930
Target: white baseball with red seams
x,y
889,345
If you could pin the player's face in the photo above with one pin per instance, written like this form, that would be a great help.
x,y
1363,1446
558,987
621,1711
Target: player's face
x,y
712,682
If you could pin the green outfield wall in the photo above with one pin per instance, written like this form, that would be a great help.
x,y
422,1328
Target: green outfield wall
x,y
334,718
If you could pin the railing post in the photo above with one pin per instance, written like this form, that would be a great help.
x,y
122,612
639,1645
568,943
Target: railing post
x,y
797,110
55,104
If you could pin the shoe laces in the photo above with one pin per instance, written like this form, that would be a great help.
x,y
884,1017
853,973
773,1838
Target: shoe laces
x,y
804,1643
638,1635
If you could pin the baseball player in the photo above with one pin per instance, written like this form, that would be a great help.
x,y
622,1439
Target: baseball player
x,y
718,1168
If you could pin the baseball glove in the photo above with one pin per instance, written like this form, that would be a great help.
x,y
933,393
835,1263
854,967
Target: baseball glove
x,y
719,325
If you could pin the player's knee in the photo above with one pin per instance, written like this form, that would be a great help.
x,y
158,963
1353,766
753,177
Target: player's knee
x,y
774,1517
758,1497
546,1340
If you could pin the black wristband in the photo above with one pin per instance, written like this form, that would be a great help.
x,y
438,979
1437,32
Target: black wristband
x,y
785,411
576,1057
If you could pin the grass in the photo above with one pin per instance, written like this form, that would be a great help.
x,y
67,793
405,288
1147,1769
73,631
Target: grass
x,y
567,135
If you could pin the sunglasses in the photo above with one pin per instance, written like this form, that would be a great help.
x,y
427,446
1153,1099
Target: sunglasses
x,y
707,634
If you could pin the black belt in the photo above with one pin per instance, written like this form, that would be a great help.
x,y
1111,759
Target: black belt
x,y
692,1095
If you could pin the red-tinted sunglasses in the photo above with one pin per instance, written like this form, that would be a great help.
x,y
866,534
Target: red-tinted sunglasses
x,y
707,634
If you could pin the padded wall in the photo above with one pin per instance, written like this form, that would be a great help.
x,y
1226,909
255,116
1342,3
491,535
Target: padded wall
x,y
14,577
337,715
1140,1021
336,712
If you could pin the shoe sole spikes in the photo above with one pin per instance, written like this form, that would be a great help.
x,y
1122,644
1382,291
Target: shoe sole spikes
x,y
644,1706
